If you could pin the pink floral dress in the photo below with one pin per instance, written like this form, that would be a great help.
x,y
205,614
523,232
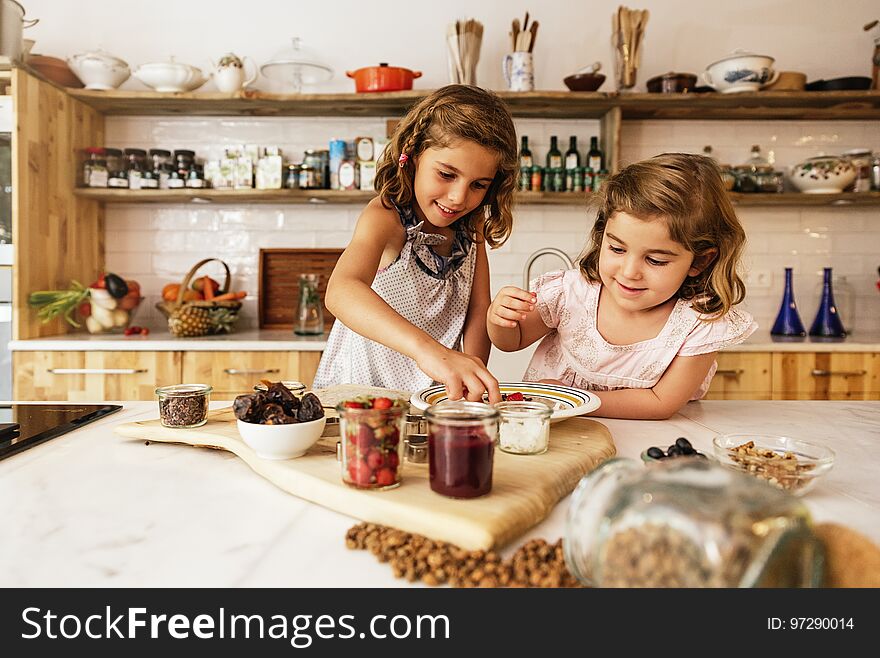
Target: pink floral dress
x,y
575,353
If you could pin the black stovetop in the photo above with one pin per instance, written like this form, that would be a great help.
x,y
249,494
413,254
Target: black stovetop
x,y
23,426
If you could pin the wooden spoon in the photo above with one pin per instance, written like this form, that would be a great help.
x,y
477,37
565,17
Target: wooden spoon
x,y
534,31
516,32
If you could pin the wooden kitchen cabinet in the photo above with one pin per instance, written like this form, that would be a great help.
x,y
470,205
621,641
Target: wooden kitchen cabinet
x,y
234,373
742,376
86,376
826,376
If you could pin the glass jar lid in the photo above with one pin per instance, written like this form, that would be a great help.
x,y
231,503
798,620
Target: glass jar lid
x,y
296,66
522,410
183,390
460,412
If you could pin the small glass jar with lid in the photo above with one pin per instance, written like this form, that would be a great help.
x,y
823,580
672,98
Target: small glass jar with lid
x,y
94,168
687,522
371,442
524,427
184,405
291,181
461,448
160,161
195,178
117,176
183,161
136,163
175,180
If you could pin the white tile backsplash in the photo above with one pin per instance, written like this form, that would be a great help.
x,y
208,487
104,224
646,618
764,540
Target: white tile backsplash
x,y
157,244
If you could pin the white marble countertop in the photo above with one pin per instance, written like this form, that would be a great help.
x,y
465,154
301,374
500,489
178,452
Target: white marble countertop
x,y
91,508
278,340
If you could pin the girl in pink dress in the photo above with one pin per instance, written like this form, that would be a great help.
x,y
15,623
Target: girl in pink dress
x,y
653,300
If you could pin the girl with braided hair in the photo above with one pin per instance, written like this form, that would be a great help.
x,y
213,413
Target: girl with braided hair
x,y
411,290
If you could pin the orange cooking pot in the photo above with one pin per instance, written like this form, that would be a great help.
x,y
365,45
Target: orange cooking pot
x,y
383,78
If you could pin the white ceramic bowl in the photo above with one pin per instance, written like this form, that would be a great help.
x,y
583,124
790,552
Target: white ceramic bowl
x,y
99,70
170,76
741,71
824,174
281,441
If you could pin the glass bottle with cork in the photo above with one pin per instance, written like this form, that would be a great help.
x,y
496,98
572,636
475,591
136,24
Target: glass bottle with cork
x,y
572,163
525,154
595,156
554,164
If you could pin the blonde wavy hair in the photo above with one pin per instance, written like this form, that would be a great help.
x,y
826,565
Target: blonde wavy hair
x,y
686,191
452,113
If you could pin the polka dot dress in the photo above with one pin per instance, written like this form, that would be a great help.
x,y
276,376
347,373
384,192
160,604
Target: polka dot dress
x,y
429,290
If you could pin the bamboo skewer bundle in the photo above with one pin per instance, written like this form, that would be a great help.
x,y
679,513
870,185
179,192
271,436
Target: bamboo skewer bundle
x,y
463,40
627,33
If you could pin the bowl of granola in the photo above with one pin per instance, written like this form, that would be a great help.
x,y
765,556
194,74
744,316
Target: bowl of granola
x,y
784,462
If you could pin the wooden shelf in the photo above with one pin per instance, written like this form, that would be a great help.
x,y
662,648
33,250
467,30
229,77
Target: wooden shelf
x,y
535,104
358,197
764,105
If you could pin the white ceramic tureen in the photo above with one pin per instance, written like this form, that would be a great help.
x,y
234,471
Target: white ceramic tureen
x,y
740,71
99,70
170,76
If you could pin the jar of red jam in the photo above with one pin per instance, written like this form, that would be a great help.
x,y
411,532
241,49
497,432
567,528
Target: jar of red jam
x,y
461,448
372,441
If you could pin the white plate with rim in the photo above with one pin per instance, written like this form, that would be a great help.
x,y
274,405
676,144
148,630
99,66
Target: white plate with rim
x,y
566,402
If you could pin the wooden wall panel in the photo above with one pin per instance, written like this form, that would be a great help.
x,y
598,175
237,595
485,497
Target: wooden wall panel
x,y
57,236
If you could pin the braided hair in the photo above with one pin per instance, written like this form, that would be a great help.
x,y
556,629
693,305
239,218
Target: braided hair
x,y
451,113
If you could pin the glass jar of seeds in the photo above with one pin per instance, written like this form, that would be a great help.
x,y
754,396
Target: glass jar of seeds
x,y
687,523
184,405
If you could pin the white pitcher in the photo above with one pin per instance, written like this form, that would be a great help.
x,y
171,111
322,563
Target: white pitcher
x,y
230,75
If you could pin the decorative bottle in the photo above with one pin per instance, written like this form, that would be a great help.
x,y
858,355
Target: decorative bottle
x,y
827,323
788,321
310,315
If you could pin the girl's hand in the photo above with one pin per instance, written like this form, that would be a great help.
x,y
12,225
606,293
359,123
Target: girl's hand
x,y
511,305
465,376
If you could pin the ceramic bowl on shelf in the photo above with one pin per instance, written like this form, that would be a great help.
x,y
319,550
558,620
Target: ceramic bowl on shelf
x,y
823,174
281,441
672,83
584,81
99,70
789,464
54,69
740,71
170,76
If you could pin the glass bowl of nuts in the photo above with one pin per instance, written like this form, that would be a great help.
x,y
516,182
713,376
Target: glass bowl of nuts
x,y
787,463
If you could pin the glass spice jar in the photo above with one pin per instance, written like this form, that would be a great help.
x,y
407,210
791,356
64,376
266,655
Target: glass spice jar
x,y
291,182
161,165
524,427
136,161
183,161
116,174
184,405
687,523
195,179
94,168
461,448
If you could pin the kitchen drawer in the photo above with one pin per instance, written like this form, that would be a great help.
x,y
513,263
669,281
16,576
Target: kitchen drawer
x,y
826,376
741,376
81,376
234,373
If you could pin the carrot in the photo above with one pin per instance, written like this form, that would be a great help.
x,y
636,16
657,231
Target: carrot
x,y
230,296
207,288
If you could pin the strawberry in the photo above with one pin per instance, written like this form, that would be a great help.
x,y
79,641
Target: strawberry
x,y
515,397
360,472
364,438
375,459
382,403
352,404
144,331
384,477
392,460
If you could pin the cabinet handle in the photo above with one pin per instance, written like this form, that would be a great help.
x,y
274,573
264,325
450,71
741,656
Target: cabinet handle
x,y
96,371
838,373
730,373
264,371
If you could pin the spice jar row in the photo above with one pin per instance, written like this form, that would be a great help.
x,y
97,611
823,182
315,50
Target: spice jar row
x,y
140,169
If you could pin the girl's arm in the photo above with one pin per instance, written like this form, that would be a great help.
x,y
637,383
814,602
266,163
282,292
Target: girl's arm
x,y
681,379
351,299
475,339
513,320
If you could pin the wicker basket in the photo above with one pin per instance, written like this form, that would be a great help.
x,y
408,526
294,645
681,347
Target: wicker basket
x,y
212,310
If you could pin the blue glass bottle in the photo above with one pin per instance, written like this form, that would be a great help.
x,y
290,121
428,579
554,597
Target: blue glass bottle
x,y
827,323
788,321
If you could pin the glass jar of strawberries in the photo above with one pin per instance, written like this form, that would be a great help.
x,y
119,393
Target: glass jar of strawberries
x,y
372,441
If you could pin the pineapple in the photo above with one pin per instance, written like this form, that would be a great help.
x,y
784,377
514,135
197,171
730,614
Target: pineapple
x,y
223,319
189,320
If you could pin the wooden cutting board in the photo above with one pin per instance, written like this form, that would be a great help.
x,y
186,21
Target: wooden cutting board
x,y
524,489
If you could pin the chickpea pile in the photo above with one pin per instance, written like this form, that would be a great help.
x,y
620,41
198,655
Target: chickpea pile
x,y
415,557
